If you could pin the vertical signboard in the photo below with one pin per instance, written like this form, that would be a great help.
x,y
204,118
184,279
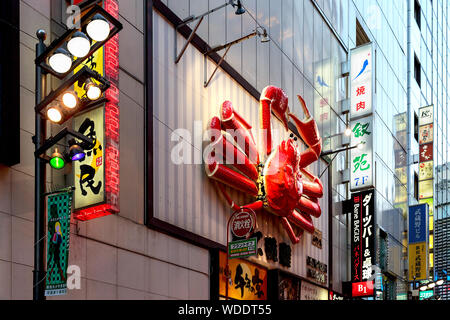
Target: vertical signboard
x,y
59,208
89,173
426,172
361,158
94,200
363,239
361,80
361,109
418,242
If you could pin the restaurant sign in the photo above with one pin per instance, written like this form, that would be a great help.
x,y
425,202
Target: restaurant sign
x,y
247,281
361,80
361,158
418,242
242,248
362,236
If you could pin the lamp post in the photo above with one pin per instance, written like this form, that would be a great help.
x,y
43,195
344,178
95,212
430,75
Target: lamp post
x,y
60,105
39,181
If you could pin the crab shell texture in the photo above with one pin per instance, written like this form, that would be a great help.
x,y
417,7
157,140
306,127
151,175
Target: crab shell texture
x,y
282,178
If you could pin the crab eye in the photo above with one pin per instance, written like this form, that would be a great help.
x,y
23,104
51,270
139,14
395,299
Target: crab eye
x,y
291,135
295,139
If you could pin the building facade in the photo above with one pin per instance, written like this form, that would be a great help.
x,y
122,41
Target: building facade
x,y
169,238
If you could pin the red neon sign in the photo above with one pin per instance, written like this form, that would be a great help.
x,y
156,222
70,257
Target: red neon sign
x,y
112,136
362,289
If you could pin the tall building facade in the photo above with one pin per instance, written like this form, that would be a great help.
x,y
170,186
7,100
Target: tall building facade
x,y
170,235
429,77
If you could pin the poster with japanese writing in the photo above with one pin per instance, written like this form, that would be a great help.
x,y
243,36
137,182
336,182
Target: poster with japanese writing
x,y
89,173
59,208
426,115
425,170
417,261
426,133
361,158
425,189
362,235
361,81
426,152
248,280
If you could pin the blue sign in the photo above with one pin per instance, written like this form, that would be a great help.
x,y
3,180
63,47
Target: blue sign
x,y
418,223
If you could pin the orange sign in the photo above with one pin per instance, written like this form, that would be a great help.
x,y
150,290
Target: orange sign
x,y
248,281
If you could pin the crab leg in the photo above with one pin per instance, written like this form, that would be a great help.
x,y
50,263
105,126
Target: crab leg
x,y
290,231
223,147
301,220
310,134
229,177
255,206
313,187
231,120
310,206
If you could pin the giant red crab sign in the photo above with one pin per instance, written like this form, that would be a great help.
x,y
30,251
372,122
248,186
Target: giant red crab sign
x,y
276,176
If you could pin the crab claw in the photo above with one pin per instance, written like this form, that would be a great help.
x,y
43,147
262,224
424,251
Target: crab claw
x,y
310,134
278,103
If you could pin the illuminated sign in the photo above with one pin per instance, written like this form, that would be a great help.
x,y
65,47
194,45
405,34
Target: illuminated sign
x,y
425,294
361,80
106,62
242,248
89,173
417,256
362,235
248,281
418,228
418,242
361,158
309,291
362,289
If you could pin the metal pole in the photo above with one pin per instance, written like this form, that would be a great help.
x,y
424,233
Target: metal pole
x,y
39,179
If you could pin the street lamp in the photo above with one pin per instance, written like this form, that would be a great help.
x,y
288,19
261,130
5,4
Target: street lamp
x,y
98,28
79,45
60,59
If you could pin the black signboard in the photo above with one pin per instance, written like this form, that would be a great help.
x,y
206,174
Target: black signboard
x,y
362,235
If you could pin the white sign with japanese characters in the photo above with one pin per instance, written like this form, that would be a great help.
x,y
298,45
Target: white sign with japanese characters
x,y
426,115
361,81
361,157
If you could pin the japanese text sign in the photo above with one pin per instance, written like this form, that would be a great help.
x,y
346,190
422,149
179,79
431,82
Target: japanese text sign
x,y
417,260
362,289
89,173
248,281
362,235
418,242
418,223
361,80
425,115
361,158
